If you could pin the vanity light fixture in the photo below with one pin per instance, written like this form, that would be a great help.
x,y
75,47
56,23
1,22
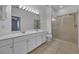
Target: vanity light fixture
x,y
29,9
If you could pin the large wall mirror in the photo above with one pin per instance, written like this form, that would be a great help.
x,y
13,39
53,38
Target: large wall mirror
x,y
36,24
15,23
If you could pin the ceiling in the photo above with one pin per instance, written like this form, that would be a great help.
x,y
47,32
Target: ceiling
x,y
57,7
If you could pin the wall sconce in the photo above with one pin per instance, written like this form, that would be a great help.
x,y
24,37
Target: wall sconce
x,y
28,9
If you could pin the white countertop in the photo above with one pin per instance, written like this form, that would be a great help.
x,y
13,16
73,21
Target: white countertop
x,y
12,35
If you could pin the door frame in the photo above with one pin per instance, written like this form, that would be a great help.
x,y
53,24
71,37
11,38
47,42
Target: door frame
x,y
78,27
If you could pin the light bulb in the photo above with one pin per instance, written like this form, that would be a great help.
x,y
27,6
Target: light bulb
x,y
24,7
20,6
37,12
30,10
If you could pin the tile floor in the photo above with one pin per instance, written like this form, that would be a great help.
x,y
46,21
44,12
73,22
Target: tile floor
x,y
57,46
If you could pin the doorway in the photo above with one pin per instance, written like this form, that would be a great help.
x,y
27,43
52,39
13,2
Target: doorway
x,y
65,27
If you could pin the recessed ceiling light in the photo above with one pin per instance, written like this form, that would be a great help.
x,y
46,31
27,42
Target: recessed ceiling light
x,y
53,19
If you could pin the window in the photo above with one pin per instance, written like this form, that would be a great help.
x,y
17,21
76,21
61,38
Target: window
x,y
15,23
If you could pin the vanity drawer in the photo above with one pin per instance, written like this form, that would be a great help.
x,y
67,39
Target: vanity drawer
x,y
5,42
25,37
20,38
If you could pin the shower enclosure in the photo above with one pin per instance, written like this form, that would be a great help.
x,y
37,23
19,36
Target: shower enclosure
x,y
65,27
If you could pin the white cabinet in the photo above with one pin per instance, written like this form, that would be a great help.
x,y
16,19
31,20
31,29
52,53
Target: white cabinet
x,y
44,38
20,47
22,44
31,44
6,50
38,41
6,46
41,38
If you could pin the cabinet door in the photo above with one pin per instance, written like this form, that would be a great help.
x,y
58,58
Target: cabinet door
x,y
6,50
38,41
43,38
31,44
20,47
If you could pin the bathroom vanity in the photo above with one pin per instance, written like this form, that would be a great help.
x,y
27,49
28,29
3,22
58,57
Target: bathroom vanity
x,y
22,43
